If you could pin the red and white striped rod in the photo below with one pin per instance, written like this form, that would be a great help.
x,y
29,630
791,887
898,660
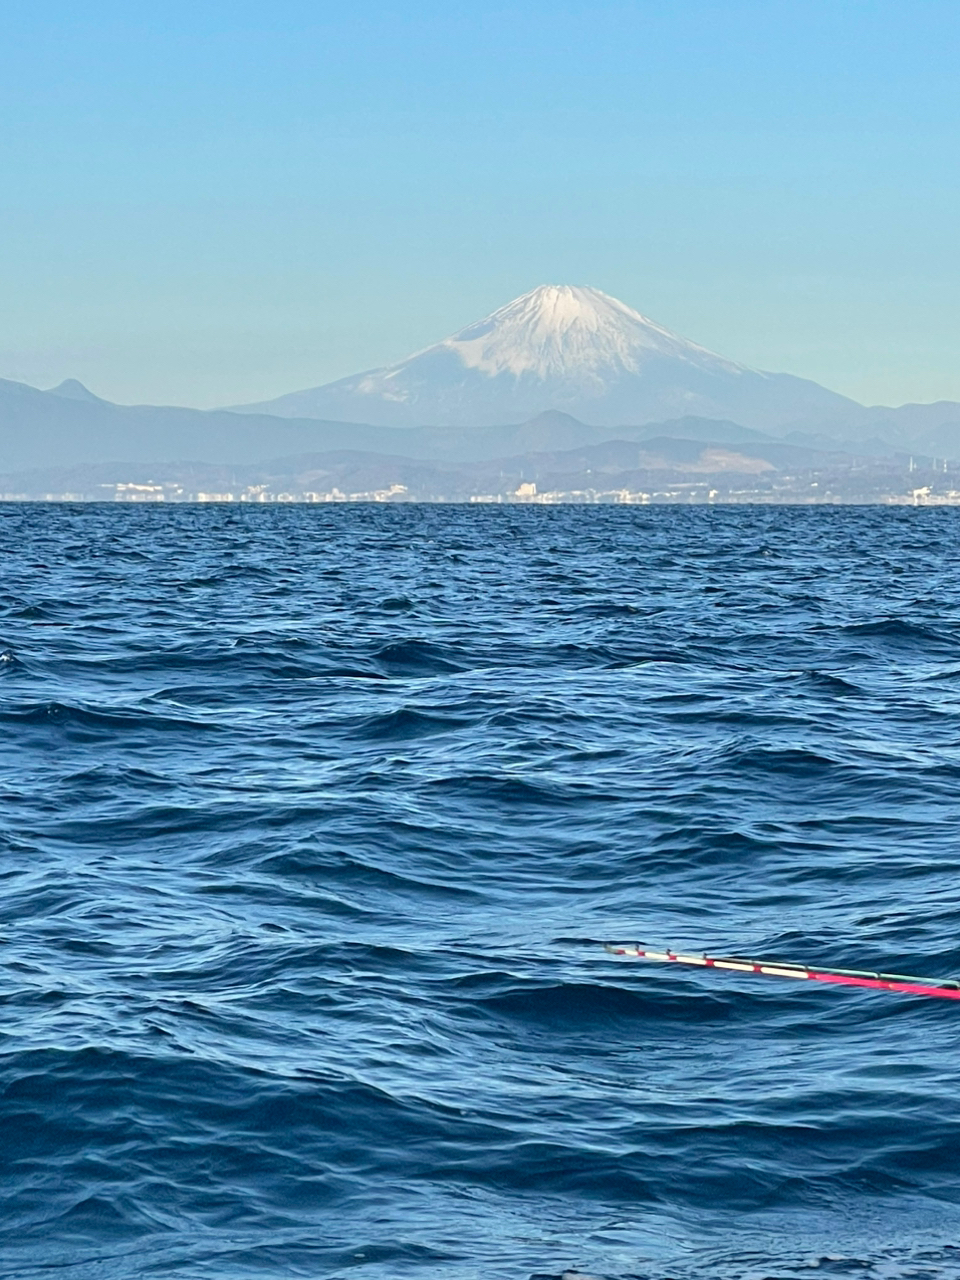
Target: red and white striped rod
x,y
949,988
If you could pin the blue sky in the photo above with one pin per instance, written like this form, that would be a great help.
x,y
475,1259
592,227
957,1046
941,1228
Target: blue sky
x,y
209,203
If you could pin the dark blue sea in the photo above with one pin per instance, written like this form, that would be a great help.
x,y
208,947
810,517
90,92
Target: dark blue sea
x,y
314,820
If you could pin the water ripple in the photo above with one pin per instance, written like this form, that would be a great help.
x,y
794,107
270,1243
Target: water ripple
x,y
314,820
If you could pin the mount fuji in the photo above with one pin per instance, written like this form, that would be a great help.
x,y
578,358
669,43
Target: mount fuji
x,y
564,348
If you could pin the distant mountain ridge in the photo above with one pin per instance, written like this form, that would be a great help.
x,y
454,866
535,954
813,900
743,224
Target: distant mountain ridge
x,y
561,367
73,427
615,470
70,426
567,348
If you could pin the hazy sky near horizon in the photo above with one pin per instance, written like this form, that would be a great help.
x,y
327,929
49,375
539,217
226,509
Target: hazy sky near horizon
x,y
220,202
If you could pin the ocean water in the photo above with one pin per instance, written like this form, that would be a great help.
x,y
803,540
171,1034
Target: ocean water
x,y
314,819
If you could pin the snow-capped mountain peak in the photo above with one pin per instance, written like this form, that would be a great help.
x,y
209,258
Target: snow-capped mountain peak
x,y
561,330
566,348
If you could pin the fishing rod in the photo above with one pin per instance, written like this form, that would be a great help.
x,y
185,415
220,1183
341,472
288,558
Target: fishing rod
x,y
948,988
